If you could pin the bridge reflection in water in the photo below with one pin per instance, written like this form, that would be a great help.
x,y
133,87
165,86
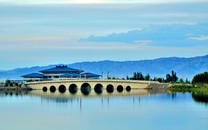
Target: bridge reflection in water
x,y
82,97
93,94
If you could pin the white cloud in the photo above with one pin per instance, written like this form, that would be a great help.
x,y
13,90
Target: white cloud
x,y
52,30
143,42
157,35
200,38
37,45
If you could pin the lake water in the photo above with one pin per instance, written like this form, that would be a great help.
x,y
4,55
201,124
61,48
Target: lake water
x,y
135,110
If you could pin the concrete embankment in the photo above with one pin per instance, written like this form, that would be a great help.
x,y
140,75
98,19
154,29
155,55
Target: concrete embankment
x,y
159,85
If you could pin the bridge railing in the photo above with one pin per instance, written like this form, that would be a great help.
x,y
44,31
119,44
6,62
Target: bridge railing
x,y
93,80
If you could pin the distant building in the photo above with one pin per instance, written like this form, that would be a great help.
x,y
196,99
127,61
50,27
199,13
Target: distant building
x,y
60,72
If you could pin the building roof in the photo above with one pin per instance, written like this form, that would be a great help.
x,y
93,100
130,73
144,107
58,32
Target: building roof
x,y
33,75
87,74
61,69
70,75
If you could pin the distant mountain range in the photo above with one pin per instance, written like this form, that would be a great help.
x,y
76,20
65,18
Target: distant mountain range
x,y
184,67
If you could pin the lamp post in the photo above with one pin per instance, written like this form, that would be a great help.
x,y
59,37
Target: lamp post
x,y
108,75
80,73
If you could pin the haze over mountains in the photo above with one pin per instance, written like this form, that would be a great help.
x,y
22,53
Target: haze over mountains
x,y
184,67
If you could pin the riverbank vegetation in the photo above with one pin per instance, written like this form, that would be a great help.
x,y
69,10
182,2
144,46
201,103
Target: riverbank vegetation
x,y
199,93
199,84
188,88
170,78
198,88
198,80
10,85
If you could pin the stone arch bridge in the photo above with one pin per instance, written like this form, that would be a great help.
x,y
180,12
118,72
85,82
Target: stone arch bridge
x,y
96,85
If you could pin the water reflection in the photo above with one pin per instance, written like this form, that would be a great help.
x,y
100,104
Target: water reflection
x,y
200,97
85,91
137,109
63,96
73,95
13,93
70,96
80,98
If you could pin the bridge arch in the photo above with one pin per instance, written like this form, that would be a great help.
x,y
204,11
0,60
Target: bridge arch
x,y
128,88
73,88
110,88
62,88
52,89
98,88
120,88
44,89
86,88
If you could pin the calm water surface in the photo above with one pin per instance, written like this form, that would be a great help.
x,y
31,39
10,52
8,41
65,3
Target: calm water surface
x,y
138,109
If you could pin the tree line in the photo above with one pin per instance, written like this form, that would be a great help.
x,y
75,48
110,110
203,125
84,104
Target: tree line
x,y
170,78
201,78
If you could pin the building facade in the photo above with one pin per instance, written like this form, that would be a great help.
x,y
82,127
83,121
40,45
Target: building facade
x,y
60,72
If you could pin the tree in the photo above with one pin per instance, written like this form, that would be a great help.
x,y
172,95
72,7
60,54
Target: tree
x,y
168,78
160,80
134,76
147,77
8,83
174,77
139,76
181,80
171,78
155,79
200,78
187,81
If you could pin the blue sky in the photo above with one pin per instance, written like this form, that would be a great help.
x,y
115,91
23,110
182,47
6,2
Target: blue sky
x,y
42,32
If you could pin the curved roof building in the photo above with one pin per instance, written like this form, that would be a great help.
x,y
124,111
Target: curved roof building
x,y
60,72
60,69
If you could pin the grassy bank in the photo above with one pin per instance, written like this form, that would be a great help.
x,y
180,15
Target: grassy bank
x,y
199,92
189,88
